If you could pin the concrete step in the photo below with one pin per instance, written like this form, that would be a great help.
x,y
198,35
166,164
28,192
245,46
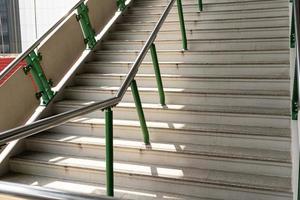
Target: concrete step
x,y
206,17
255,98
188,82
193,7
219,2
186,181
200,16
283,12
135,151
243,11
121,192
277,118
204,57
218,24
197,134
194,69
198,34
242,44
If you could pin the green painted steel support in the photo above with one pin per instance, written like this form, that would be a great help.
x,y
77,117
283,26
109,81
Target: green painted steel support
x,y
139,108
88,32
295,97
158,75
44,86
293,31
121,4
109,152
200,5
182,24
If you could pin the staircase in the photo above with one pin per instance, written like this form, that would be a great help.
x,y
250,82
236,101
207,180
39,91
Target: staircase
x,y
225,131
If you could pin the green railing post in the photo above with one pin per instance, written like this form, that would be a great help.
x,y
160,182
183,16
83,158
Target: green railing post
x,y
200,5
88,32
109,152
121,4
295,96
293,31
44,86
182,24
139,108
157,74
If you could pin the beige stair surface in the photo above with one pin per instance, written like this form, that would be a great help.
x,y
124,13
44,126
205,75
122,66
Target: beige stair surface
x,y
224,133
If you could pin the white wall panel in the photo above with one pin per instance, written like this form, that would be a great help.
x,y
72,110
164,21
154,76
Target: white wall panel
x,y
46,12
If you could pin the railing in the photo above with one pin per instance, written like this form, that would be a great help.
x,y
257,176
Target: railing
x,y
8,191
295,43
107,105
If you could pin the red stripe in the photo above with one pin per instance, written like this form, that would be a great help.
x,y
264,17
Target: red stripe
x,y
4,62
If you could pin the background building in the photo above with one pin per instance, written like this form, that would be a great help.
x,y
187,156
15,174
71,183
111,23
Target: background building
x,y
10,34
36,17
23,21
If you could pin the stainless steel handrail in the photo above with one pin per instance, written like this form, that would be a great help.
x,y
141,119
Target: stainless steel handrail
x,y
23,55
8,190
56,120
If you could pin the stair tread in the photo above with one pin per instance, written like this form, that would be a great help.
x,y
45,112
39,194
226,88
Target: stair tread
x,y
190,127
170,173
177,148
199,29
247,52
92,188
195,64
278,77
188,108
258,39
214,12
209,7
227,92
208,20
227,3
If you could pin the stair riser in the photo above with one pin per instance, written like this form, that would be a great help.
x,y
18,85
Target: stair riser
x,y
245,11
211,45
239,57
213,71
220,2
206,16
180,117
194,99
197,35
216,7
154,158
141,182
180,136
207,25
188,83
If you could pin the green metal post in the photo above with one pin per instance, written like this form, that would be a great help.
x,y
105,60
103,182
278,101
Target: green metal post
x,y
121,4
200,5
34,67
109,152
157,74
295,97
139,108
182,24
88,32
42,92
293,31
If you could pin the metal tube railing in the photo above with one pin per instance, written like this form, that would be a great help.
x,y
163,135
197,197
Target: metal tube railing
x,y
8,191
23,55
54,121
